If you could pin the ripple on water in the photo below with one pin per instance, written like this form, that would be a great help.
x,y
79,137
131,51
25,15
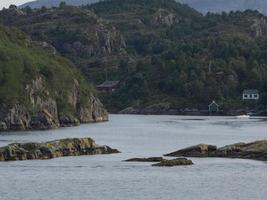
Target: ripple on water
x,y
107,177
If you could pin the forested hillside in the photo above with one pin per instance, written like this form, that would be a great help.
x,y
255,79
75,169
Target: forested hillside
x,y
55,3
89,41
204,6
185,59
39,89
165,54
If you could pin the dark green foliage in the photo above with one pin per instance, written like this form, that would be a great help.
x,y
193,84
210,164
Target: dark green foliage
x,y
198,59
147,6
21,61
173,54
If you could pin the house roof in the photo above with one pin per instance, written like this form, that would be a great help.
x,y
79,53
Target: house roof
x,y
108,84
213,103
253,91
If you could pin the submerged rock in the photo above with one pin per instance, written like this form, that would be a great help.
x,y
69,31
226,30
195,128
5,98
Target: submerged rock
x,y
174,162
150,159
255,150
53,149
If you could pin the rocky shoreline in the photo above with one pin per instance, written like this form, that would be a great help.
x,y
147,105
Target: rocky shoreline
x,y
254,150
165,109
53,149
42,110
47,116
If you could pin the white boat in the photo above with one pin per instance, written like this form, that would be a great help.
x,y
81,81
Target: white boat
x,y
243,116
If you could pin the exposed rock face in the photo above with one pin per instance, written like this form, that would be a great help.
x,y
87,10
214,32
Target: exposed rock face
x,y
53,149
43,112
174,162
76,33
151,159
164,17
3,126
100,40
13,118
67,121
259,27
94,112
106,40
255,150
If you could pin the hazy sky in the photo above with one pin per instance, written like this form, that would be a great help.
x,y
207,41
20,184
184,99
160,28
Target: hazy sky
x,y
6,3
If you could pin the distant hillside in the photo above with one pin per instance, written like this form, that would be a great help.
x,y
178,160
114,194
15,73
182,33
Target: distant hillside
x,y
39,89
219,6
203,6
184,59
55,3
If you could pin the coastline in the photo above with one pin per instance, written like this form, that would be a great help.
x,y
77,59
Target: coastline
x,y
192,112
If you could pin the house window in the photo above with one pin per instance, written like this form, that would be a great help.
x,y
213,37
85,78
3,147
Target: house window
x,y
255,96
245,96
250,95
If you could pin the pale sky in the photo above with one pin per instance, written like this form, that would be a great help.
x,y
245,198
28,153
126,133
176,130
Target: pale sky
x,y
6,3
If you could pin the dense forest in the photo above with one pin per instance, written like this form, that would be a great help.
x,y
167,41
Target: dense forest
x,y
164,53
186,59
55,3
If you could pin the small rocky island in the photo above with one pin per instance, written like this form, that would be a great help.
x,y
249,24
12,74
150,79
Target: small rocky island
x,y
161,162
255,150
53,149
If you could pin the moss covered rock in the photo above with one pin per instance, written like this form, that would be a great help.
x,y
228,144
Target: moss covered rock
x,y
254,150
53,149
173,162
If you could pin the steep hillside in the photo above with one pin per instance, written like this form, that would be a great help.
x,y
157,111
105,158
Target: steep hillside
x,y
218,6
40,90
184,59
167,55
78,34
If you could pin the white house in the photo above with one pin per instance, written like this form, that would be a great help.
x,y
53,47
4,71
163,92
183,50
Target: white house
x,y
251,95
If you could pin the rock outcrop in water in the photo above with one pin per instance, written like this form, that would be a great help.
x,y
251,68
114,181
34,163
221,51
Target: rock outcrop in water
x,y
255,150
173,162
161,162
150,159
53,149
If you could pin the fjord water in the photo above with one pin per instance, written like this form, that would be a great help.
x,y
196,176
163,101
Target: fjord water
x,y
104,177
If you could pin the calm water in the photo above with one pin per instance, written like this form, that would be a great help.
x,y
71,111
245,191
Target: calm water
x,y
105,177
